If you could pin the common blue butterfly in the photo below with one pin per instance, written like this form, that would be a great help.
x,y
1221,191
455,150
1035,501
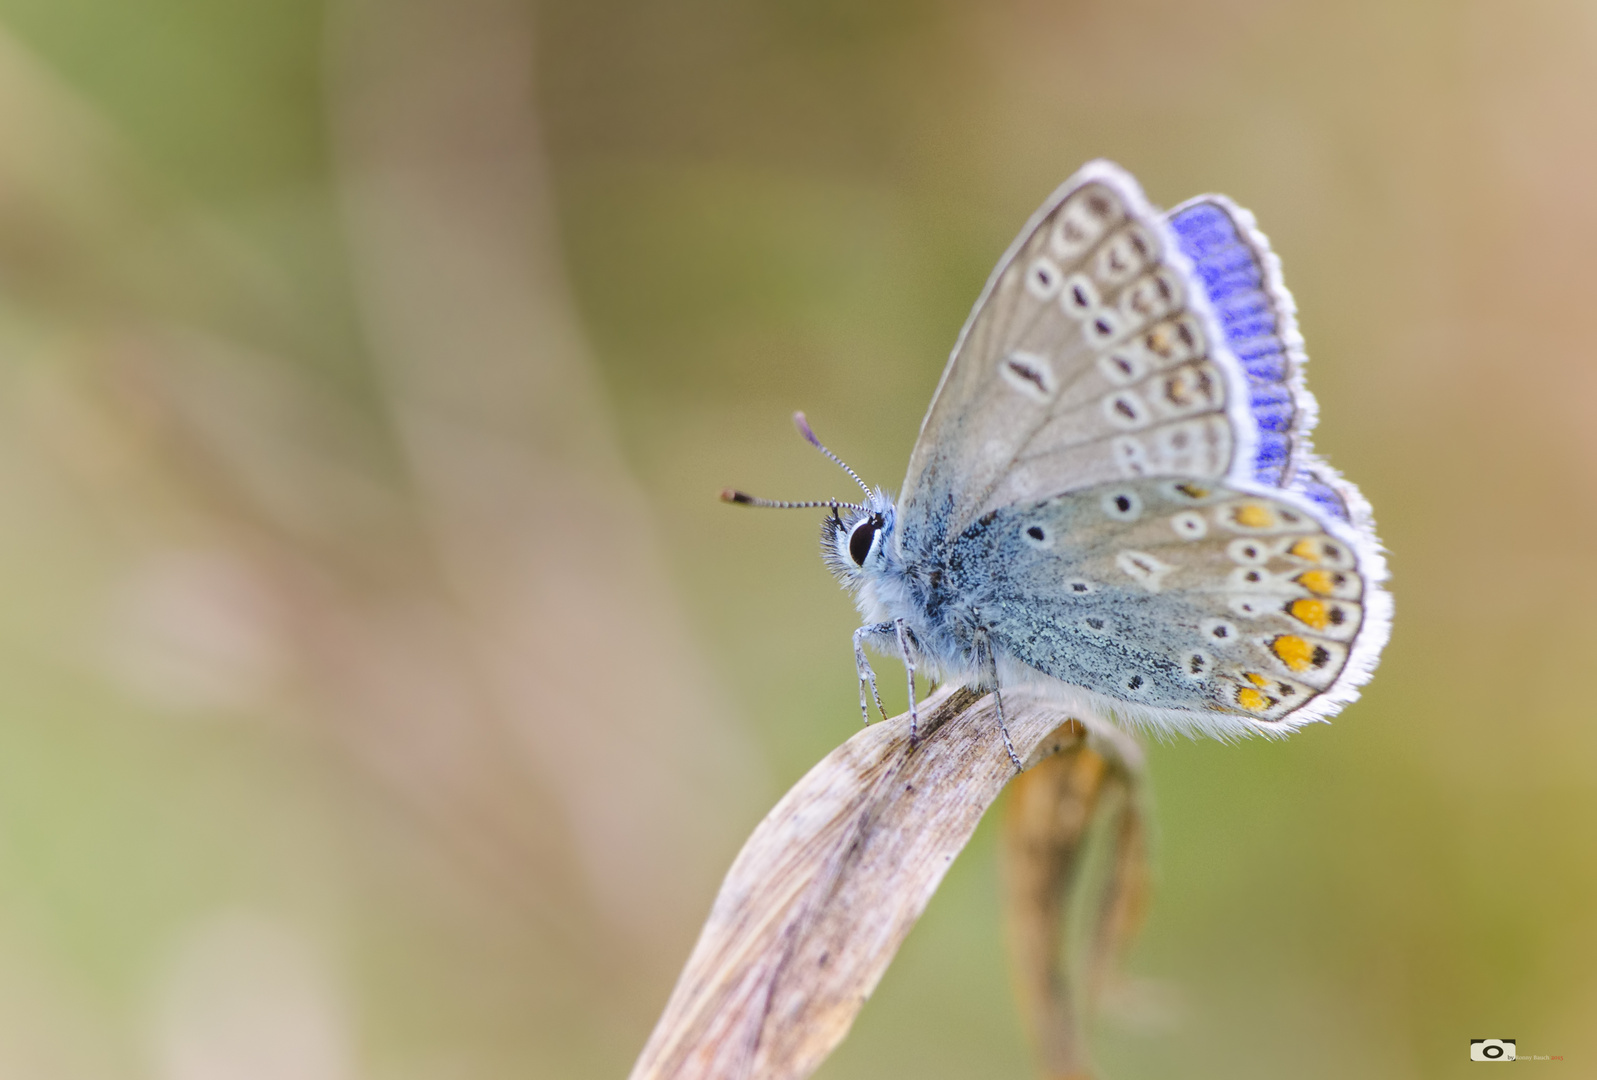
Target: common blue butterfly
x,y
1113,499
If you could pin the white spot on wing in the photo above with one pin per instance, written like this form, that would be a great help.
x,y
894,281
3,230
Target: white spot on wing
x,y
1144,569
1250,552
1103,326
1126,254
1195,665
1122,505
1189,525
1123,366
1031,374
1125,409
1131,455
1150,297
1079,297
1200,447
1082,220
1250,607
1043,278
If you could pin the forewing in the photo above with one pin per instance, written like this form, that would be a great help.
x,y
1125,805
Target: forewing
x,y
1192,605
1090,356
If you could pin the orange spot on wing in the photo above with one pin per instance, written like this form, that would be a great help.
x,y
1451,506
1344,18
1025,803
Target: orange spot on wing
x,y
1310,612
1307,548
1323,582
1252,700
1257,680
1253,516
1297,653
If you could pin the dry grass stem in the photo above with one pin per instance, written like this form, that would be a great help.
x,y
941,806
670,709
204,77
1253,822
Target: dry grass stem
x,y
829,884
1050,816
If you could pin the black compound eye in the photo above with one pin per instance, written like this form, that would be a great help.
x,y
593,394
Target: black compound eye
x,y
859,542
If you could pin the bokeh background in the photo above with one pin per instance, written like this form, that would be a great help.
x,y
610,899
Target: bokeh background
x,y
382,689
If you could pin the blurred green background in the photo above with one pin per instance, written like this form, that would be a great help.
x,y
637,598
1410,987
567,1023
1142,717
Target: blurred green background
x,y
383,689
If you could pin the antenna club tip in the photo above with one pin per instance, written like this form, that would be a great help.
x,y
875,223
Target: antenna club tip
x,y
802,422
732,495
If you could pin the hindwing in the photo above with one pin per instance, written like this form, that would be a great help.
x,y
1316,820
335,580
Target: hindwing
x,y
1190,605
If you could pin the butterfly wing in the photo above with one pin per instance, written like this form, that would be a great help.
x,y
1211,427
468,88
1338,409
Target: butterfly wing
x,y
1215,607
1241,279
1115,482
1091,355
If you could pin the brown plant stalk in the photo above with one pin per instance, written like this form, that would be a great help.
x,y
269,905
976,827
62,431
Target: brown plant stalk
x,y
830,883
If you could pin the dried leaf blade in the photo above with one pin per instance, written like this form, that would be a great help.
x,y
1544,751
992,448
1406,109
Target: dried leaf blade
x,y
830,883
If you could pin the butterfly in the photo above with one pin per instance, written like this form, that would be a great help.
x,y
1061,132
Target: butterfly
x,y
1113,500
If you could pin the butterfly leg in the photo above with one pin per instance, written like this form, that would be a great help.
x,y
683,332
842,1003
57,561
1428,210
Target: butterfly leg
x,y
1003,729
909,671
862,668
984,648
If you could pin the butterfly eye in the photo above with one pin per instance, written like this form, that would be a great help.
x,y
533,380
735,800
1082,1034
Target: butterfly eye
x,y
859,542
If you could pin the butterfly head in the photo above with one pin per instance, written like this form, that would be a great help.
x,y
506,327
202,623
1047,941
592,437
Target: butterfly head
x,y
859,543
856,538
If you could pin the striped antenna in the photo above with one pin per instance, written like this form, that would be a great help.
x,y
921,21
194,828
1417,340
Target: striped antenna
x,y
803,426
744,499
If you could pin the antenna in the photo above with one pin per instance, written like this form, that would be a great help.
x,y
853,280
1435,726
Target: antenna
x,y
803,426
731,495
